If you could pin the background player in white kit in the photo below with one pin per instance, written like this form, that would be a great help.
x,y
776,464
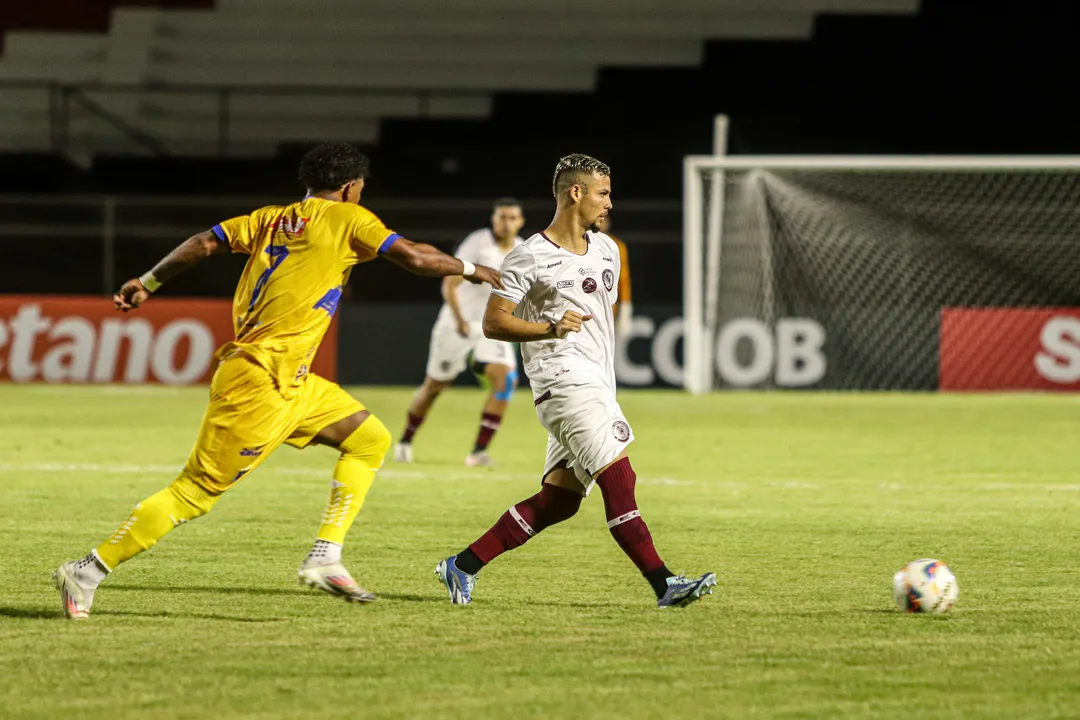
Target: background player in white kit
x,y
457,340
558,290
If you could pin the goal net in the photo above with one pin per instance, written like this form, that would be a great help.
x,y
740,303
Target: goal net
x,y
839,272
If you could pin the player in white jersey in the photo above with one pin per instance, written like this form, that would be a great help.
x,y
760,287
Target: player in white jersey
x,y
457,340
556,300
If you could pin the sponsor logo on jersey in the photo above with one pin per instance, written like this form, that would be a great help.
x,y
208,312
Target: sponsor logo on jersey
x,y
586,271
620,430
607,259
588,285
563,284
251,452
554,264
293,227
609,279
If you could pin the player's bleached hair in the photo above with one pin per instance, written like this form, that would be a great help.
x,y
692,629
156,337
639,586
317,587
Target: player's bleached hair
x,y
573,170
331,165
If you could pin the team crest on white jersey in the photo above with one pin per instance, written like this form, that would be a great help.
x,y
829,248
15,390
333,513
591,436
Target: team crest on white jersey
x,y
621,431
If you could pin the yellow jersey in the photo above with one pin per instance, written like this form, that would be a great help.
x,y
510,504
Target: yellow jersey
x,y
300,258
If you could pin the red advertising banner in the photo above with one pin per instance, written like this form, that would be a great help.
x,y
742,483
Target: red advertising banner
x,y
1005,349
85,340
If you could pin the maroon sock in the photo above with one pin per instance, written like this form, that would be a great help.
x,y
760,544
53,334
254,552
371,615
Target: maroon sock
x,y
624,521
549,506
411,426
489,423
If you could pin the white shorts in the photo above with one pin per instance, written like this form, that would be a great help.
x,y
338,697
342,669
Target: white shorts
x,y
449,352
586,428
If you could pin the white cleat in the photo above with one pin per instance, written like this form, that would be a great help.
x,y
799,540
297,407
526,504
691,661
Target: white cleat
x,y
76,598
478,459
403,452
682,591
335,580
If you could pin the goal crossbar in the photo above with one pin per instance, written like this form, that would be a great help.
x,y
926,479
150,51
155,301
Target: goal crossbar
x,y
697,163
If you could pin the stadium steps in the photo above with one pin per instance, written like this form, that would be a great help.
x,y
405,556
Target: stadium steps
x,y
478,46
856,87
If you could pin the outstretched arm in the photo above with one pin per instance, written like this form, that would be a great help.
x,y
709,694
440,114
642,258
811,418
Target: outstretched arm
x,y
500,323
422,259
187,254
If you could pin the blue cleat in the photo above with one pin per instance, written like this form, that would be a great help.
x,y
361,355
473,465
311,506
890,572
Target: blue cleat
x,y
459,584
682,590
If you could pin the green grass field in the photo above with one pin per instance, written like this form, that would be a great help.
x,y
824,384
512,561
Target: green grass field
x,y
805,505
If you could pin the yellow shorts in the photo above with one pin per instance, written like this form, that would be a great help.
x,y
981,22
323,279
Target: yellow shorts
x,y
247,419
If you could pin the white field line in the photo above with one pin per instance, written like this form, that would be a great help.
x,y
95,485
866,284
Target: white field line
x,y
127,469
116,390
1021,486
396,474
124,469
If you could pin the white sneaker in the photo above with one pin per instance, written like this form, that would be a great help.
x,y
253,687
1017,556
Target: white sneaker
x,y
478,459
403,452
335,580
77,599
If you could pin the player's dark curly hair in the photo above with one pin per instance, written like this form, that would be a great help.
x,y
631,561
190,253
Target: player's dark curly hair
x,y
505,202
573,170
331,165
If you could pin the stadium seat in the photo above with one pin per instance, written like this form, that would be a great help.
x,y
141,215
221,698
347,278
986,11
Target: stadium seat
x,y
306,70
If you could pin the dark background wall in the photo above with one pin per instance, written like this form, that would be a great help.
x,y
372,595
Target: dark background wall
x,y
958,77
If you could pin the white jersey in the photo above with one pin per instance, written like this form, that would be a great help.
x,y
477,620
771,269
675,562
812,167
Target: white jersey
x,y
479,248
545,281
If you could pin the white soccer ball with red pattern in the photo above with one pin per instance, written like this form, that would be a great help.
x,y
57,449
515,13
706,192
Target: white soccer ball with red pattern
x,y
925,586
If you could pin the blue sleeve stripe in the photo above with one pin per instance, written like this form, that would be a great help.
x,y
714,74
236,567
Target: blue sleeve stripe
x,y
220,232
390,240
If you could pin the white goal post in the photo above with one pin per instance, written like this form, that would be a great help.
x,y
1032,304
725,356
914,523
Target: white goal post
x,y
815,209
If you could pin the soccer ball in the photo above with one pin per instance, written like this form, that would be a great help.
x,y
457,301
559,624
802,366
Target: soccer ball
x,y
925,586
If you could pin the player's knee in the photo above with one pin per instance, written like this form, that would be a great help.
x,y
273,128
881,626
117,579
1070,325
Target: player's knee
x,y
565,503
504,390
432,387
381,438
195,495
370,441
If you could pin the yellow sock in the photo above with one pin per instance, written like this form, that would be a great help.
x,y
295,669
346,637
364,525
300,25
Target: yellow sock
x,y
153,518
361,455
